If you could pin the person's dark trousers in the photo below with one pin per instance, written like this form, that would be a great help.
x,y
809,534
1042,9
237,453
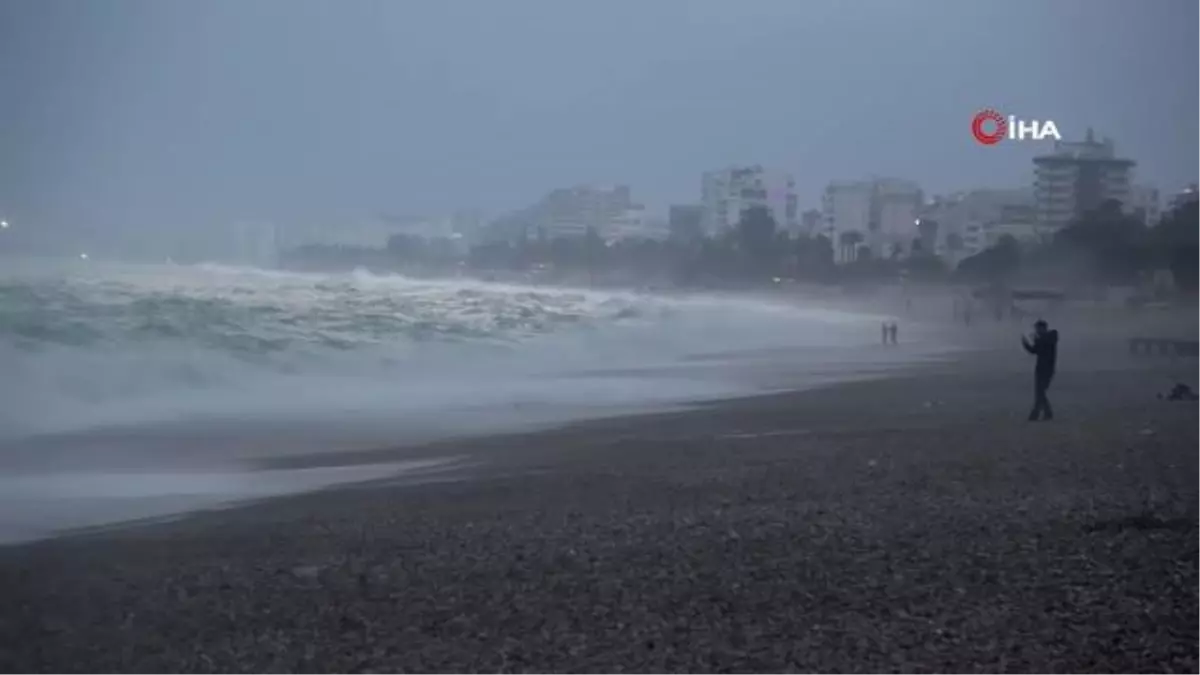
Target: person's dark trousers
x,y
1041,404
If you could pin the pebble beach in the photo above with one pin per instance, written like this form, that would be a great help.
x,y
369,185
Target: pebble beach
x,y
916,523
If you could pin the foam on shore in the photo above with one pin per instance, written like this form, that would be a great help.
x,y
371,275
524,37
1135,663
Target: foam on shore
x,y
37,505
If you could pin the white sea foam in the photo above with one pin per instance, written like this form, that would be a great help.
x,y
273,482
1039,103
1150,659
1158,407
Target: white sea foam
x,y
147,367
90,345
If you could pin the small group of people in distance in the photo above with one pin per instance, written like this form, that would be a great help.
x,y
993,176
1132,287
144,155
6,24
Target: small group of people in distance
x,y
889,332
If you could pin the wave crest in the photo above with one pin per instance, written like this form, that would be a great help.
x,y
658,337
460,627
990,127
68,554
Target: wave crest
x,y
98,345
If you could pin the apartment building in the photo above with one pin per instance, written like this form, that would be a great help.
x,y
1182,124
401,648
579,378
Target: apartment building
x,y
1076,178
726,193
879,213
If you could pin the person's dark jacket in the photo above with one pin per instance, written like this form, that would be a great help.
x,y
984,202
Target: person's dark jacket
x,y
1045,347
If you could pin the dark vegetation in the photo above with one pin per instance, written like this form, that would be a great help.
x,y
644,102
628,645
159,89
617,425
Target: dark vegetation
x,y
1107,247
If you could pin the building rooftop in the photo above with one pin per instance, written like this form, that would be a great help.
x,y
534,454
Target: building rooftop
x,y
1079,159
1087,150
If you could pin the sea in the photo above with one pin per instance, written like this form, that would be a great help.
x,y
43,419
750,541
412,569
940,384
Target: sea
x,y
137,390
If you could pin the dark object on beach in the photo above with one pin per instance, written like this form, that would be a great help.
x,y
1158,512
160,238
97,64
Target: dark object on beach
x,y
1143,522
1045,347
888,332
1164,347
1055,296
1181,392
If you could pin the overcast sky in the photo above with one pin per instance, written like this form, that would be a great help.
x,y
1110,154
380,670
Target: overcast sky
x,y
156,112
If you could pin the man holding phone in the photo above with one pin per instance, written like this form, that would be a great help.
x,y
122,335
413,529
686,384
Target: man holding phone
x,y
1045,347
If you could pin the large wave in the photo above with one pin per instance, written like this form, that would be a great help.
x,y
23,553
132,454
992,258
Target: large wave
x,y
87,344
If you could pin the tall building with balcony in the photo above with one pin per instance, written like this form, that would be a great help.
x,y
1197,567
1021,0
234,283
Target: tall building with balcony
x,y
584,205
726,193
634,224
880,213
571,212
811,223
965,223
897,208
1076,178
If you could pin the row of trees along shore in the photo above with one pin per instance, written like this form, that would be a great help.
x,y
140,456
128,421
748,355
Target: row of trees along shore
x,y
1107,246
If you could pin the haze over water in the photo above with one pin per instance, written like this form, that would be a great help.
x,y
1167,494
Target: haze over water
x,y
136,368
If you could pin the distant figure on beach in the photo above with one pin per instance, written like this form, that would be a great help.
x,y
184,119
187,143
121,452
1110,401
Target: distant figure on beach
x,y
1181,392
1045,347
888,332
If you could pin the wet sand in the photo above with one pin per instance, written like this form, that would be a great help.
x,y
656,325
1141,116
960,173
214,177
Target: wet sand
x,y
917,523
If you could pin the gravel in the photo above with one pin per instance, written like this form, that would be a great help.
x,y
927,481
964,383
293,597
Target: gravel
x,y
915,524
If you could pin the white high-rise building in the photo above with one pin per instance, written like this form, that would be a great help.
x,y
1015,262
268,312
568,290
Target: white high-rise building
x,y
897,208
726,193
879,213
847,210
968,222
1076,178
569,212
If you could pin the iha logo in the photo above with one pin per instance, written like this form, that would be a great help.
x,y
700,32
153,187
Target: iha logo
x,y
990,127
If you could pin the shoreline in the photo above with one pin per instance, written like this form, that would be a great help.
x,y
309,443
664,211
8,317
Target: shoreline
x,y
850,527
386,463
90,474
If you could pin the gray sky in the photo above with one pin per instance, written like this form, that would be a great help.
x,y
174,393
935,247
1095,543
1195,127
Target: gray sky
x,y
157,112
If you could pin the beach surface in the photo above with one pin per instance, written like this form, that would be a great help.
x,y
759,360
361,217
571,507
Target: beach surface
x,y
915,523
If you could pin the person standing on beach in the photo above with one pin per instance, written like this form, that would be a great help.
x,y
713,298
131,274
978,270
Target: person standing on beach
x,y
892,330
1045,347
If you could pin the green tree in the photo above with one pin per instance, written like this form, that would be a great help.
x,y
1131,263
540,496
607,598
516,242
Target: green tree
x,y
922,264
1115,245
756,237
814,257
926,267
1175,244
992,265
955,243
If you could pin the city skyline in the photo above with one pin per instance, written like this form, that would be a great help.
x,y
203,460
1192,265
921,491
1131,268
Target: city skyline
x,y
218,111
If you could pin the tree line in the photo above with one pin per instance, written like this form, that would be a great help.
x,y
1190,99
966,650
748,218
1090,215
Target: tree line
x,y
1106,246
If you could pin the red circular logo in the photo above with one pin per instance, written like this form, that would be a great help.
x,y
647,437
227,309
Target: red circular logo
x,y
998,124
